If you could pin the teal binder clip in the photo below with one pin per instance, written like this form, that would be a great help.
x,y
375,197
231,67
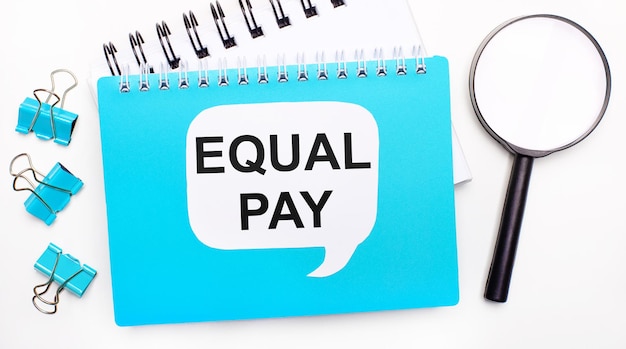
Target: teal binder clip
x,y
51,194
63,269
46,119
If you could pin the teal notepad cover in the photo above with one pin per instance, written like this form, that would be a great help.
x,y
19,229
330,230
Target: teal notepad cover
x,y
279,199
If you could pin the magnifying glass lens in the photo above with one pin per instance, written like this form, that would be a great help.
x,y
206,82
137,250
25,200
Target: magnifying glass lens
x,y
540,84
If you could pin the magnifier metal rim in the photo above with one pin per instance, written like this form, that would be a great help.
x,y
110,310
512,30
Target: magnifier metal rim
x,y
511,147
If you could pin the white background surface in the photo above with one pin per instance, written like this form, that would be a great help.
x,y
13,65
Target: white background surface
x,y
570,276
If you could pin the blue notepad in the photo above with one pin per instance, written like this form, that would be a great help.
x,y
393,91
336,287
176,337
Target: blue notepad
x,y
274,199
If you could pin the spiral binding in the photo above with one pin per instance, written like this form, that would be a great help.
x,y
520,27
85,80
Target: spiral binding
x,y
191,23
282,75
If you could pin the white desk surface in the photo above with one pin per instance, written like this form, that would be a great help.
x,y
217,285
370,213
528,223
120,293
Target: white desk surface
x,y
569,282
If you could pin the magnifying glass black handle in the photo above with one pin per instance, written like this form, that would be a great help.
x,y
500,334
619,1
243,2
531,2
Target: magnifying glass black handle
x,y
499,278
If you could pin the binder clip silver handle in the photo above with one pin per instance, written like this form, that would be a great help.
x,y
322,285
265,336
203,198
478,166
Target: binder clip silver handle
x,y
73,77
57,99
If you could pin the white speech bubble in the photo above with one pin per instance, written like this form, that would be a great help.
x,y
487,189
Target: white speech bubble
x,y
254,202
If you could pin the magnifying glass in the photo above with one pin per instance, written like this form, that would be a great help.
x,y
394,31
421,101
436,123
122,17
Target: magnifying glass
x,y
538,84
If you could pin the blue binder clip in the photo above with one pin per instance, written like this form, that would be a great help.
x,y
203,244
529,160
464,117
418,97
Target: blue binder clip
x,y
46,119
66,271
52,193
